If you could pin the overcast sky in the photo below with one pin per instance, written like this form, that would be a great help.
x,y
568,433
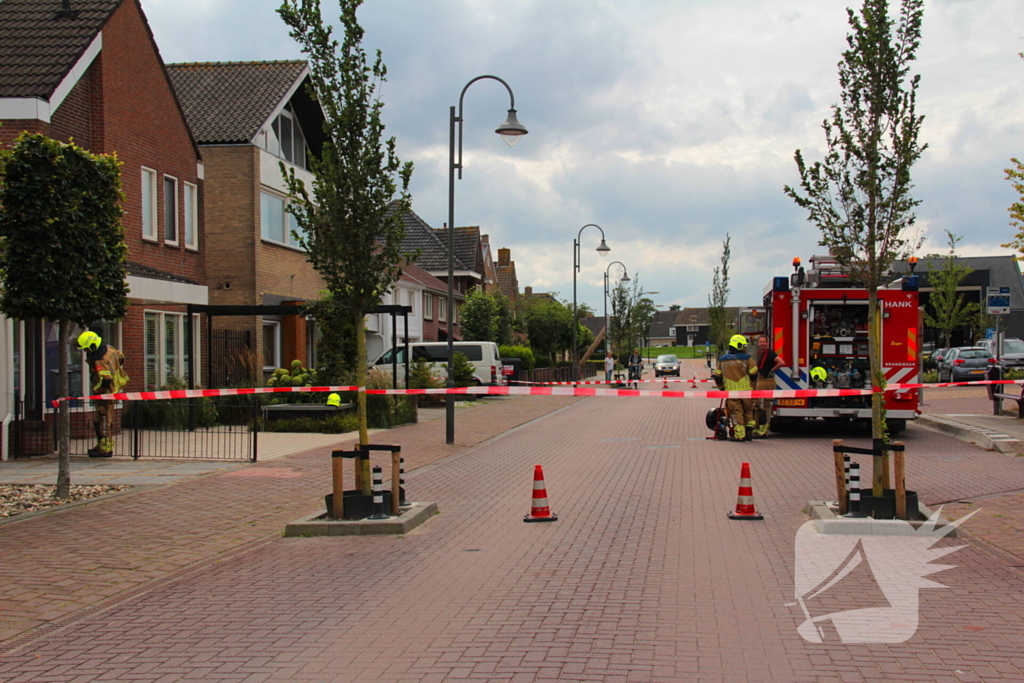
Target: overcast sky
x,y
667,123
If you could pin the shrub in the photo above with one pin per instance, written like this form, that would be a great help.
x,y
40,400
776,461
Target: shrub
x,y
384,412
524,353
542,362
173,413
335,424
463,371
929,376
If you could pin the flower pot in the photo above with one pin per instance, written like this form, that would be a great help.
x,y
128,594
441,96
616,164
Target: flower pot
x,y
884,507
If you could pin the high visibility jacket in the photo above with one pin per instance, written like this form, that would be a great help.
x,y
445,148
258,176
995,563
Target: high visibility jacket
x,y
106,368
735,369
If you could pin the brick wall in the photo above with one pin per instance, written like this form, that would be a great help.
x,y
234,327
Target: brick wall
x,y
73,119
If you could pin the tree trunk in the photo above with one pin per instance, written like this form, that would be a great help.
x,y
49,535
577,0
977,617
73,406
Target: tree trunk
x,y
63,413
364,437
880,464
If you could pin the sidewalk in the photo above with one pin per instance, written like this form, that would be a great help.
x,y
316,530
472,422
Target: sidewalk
x,y
60,562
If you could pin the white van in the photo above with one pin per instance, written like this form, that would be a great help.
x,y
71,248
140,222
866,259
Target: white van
x,y
483,356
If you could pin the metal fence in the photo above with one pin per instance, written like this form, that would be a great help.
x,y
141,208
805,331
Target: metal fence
x,y
564,374
226,360
200,428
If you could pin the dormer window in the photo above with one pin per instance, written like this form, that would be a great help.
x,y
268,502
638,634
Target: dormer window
x,y
284,138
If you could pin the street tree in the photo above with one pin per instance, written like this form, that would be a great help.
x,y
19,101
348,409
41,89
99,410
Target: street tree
x,y
720,328
632,313
947,309
64,253
548,325
860,195
1016,177
478,316
351,237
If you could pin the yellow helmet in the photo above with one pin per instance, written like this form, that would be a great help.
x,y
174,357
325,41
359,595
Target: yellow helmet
x,y
89,341
819,374
738,341
334,400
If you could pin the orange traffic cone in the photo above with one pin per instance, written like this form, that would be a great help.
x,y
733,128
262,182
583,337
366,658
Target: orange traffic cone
x,y
745,499
539,511
693,382
665,385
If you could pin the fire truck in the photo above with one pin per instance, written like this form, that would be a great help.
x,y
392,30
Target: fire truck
x,y
819,319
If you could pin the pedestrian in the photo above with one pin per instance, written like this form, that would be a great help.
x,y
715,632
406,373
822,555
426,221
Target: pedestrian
x,y
636,365
734,372
609,365
106,369
767,363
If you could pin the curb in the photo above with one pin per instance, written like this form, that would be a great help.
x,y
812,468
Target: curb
x,y
826,522
979,436
316,525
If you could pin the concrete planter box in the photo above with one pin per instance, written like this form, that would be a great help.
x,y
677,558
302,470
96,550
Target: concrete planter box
x,y
317,523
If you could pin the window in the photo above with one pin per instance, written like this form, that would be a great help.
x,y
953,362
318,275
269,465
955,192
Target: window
x,y
148,204
442,310
191,217
692,328
165,347
412,302
170,210
428,306
276,224
284,138
271,345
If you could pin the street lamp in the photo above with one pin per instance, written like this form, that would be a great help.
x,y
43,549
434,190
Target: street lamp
x,y
510,131
603,250
625,278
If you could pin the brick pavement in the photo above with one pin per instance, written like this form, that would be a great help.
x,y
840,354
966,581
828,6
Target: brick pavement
x,y
642,579
59,563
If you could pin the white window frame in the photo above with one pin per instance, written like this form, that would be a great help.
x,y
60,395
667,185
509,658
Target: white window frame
x,y
287,218
191,222
412,302
442,310
181,362
276,324
428,306
163,205
149,177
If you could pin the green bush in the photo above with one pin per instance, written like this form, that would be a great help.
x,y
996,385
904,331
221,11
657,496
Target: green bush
x,y
421,376
335,424
542,362
173,413
463,371
524,353
1016,373
930,376
384,412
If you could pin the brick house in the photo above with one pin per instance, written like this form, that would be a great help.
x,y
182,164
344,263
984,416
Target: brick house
x,y
507,279
429,248
94,74
248,118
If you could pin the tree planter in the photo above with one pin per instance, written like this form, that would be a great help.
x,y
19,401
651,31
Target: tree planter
x,y
885,507
360,506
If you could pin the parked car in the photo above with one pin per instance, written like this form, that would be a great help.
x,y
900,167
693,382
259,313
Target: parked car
x,y
964,363
1012,355
667,364
483,356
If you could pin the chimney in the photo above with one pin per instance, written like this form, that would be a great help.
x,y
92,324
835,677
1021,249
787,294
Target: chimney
x,y
504,257
528,291
65,11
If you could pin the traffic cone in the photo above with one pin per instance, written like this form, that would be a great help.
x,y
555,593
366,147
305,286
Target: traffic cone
x,y
693,382
745,499
539,511
665,385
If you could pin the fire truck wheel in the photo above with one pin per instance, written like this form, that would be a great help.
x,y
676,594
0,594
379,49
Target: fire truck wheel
x,y
895,426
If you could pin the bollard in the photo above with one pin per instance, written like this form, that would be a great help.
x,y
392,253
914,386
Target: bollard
x,y
846,468
378,494
401,484
854,491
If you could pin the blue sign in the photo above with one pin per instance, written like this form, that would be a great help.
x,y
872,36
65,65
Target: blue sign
x,y
707,342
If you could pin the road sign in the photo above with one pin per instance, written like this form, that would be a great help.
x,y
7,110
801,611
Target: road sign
x,y
998,300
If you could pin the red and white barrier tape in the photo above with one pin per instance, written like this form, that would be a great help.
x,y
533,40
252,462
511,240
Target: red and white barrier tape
x,y
523,391
624,381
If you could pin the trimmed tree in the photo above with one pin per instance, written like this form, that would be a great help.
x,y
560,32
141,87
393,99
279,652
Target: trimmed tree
x,y
947,309
478,316
352,238
718,320
1016,177
860,195
64,253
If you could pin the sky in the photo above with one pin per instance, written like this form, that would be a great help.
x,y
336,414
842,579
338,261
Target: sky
x,y
668,123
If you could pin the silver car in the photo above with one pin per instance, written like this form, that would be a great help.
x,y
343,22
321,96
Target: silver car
x,y
1013,352
667,364
964,363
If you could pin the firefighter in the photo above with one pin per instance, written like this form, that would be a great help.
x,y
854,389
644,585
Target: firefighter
x,y
767,363
734,373
105,366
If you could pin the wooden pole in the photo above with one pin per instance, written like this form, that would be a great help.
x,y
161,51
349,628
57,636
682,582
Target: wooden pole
x,y
840,475
901,484
396,495
338,482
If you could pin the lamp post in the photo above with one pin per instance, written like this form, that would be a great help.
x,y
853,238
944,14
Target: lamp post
x,y
510,131
625,278
603,250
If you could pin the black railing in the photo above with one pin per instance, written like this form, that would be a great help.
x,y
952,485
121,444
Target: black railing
x,y
192,428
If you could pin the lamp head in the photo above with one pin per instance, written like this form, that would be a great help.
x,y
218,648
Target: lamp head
x,y
625,277
511,130
604,248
